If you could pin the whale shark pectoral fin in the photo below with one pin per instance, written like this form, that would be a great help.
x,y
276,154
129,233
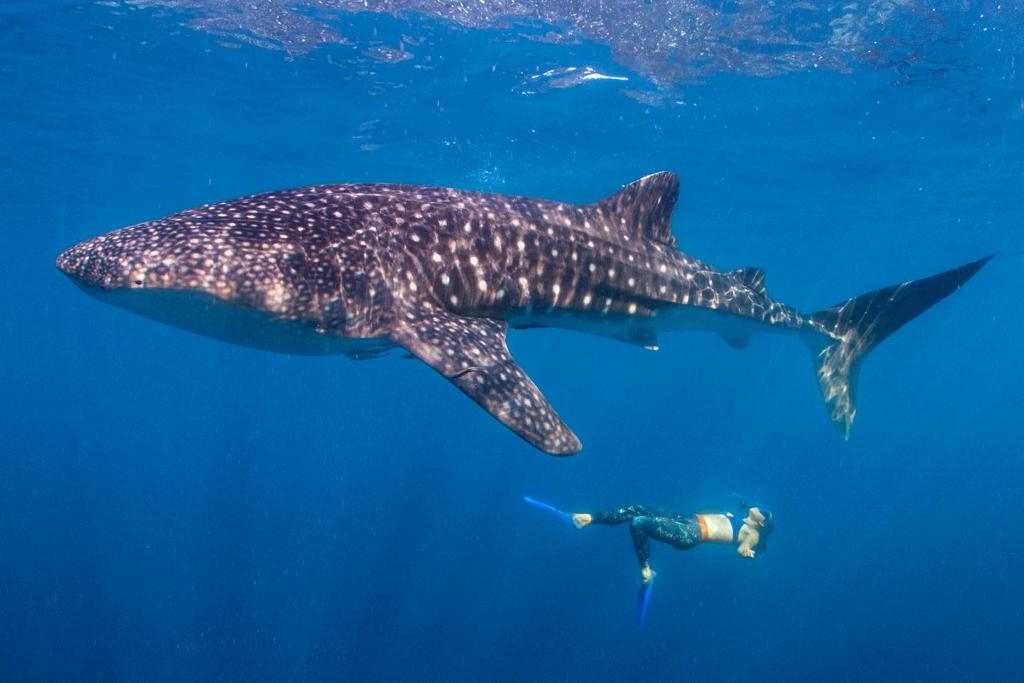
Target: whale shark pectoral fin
x,y
472,354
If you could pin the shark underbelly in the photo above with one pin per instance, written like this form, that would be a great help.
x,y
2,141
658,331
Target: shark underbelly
x,y
204,314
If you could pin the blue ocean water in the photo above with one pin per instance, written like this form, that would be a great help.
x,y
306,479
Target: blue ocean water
x,y
174,508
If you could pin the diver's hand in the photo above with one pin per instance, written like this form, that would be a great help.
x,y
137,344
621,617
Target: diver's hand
x,y
581,519
748,540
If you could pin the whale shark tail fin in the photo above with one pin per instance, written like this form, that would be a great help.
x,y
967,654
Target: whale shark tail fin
x,y
861,323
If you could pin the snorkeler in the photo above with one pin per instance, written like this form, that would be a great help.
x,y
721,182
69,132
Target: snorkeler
x,y
749,534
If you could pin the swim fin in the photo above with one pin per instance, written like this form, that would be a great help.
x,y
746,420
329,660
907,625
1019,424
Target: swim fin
x,y
564,516
643,600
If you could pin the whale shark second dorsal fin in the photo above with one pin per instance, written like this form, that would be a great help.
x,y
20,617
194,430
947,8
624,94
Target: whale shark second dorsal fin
x,y
643,209
751,277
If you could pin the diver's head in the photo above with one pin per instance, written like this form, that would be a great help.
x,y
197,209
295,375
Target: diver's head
x,y
759,515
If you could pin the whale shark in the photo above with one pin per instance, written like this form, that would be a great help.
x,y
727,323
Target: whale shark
x,y
359,269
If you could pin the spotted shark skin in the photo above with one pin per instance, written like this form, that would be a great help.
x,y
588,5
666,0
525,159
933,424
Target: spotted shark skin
x,y
443,273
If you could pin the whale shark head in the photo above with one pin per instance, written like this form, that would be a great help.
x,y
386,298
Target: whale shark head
x,y
135,266
103,263
217,278
168,275
173,255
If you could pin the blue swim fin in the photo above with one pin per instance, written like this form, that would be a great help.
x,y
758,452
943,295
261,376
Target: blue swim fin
x,y
564,516
643,599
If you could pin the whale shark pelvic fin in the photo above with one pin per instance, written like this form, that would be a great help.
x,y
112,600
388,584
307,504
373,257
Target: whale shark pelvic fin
x,y
471,353
863,322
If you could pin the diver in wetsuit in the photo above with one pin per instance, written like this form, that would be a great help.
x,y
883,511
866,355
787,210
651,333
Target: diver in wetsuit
x,y
679,531
684,531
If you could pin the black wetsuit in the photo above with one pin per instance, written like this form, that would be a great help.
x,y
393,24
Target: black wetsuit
x,y
679,531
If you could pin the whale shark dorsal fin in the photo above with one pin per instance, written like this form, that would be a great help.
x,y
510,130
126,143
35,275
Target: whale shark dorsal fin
x,y
472,354
643,208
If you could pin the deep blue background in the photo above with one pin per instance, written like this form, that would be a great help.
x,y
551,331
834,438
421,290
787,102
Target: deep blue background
x,y
173,508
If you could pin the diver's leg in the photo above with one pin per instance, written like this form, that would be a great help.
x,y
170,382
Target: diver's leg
x,y
618,516
642,546
681,534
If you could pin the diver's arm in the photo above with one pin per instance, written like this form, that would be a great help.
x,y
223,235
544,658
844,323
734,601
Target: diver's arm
x,y
749,537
